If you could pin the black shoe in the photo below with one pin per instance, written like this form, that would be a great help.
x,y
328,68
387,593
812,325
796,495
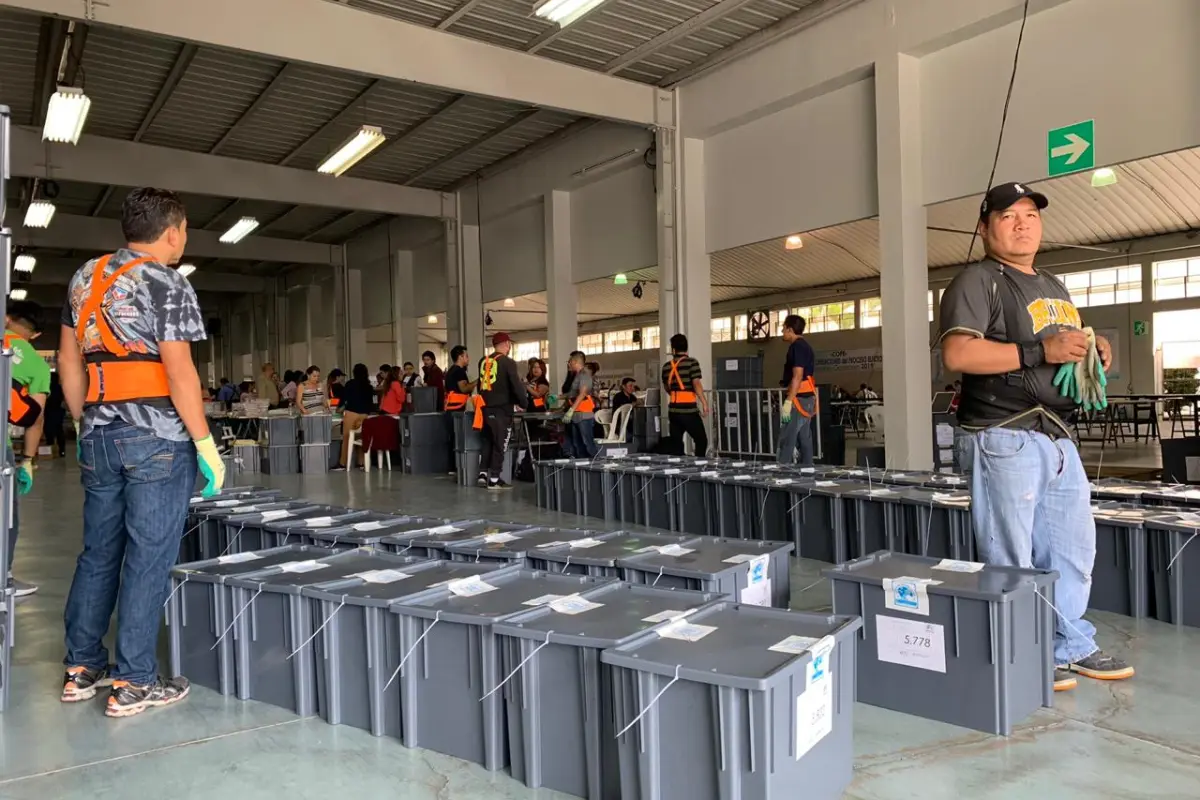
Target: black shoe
x,y
482,480
81,683
1102,667
497,486
338,468
127,699
1064,681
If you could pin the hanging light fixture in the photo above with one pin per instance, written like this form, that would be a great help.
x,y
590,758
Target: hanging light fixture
x,y
186,269
39,214
1105,176
25,263
509,302
793,242
65,115
240,230
620,279
431,319
564,12
18,294
355,149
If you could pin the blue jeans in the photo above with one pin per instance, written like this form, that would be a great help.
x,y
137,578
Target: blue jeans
x,y
1031,507
136,490
797,431
582,435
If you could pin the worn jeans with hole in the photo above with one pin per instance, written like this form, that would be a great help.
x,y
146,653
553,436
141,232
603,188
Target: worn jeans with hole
x,y
1031,507
136,490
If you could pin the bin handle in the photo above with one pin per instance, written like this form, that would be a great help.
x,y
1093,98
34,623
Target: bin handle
x,y
1179,552
524,661
318,630
436,619
798,503
650,705
178,586
233,541
236,616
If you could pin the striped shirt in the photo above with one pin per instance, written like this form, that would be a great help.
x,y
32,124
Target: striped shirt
x,y
312,399
689,371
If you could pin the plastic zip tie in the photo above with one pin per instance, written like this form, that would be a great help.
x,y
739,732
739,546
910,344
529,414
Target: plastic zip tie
x,y
236,616
318,630
799,502
178,586
659,578
524,661
650,705
233,541
1179,552
1070,625
436,618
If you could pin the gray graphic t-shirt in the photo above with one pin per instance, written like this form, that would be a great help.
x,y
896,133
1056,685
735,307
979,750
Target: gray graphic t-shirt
x,y
149,304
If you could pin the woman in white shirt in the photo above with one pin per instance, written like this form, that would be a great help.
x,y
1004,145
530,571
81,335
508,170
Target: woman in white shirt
x,y
311,397
288,393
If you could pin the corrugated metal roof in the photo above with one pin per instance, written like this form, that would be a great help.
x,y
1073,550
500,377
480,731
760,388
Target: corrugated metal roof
x,y
123,73
18,62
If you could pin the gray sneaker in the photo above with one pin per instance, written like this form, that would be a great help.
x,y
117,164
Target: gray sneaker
x,y
1064,681
21,588
1102,667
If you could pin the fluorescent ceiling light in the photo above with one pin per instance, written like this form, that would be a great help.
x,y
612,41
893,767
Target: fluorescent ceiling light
x,y
186,269
431,319
793,242
240,230
25,263
1101,177
39,214
620,279
354,150
18,294
509,302
564,12
65,115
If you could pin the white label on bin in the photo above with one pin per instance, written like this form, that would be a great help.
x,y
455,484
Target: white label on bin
x,y
318,522
950,565
709,473
363,527
469,587
543,600
731,408
226,503
668,616
278,513
302,566
685,631
585,543
673,550
759,570
911,643
382,576
442,530
238,558
907,594
814,708
782,481
825,484
572,605
757,594
731,365
657,424
794,645
672,471
500,538
548,545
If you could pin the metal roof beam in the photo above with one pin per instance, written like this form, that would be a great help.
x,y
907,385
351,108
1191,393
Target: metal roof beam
x,y
110,162
248,114
59,271
702,20
51,38
340,218
334,123
371,44
454,16
469,146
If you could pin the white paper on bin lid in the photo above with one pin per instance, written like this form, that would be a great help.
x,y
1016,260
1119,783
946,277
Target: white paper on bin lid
x,y
795,645
193,500
500,538
782,481
674,460
770,467
274,514
685,631
302,566
548,545
585,543
318,522
825,484
226,503
668,616
670,471
641,469
470,587
382,576
442,530
372,525
741,477
238,558
573,604
543,600
666,550
709,473
951,565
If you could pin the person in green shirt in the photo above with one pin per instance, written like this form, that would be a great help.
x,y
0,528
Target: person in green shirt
x,y
29,370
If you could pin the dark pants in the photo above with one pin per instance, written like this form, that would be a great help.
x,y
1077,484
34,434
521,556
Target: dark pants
x,y
56,434
136,490
582,435
497,430
691,423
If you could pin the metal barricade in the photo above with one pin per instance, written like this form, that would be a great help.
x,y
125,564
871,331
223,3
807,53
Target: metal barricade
x,y
746,422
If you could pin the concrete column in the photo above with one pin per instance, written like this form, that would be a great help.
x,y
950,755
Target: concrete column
x,y
454,330
404,314
562,329
1137,352
312,307
904,264
358,333
471,292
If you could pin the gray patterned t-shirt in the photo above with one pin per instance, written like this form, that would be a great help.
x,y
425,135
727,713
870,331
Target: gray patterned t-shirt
x,y
149,304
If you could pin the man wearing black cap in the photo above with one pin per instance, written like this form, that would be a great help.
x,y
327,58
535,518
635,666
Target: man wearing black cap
x,y
1007,326
502,390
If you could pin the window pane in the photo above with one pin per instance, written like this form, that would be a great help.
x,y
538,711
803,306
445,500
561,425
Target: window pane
x,y
619,341
591,343
722,329
1076,280
1169,269
741,327
650,338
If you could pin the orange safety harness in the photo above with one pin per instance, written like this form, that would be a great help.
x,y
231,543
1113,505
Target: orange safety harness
x,y
808,387
23,410
116,375
682,395
456,400
539,402
487,379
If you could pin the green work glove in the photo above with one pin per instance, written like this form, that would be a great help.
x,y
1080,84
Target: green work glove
x,y
1064,380
785,413
25,476
567,416
78,443
211,466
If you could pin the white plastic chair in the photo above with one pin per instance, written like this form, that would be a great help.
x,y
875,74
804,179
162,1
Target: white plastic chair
x,y
382,457
604,418
616,427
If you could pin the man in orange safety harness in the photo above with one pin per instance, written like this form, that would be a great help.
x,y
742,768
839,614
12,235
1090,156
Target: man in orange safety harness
x,y
502,392
125,361
688,406
800,403
459,399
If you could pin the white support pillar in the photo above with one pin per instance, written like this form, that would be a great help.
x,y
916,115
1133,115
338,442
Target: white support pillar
x,y
312,307
358,333
471,292
343,316
562,301
454,329
904,264
404,319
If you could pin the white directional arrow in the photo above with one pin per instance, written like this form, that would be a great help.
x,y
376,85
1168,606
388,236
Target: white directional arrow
x,y
1076,146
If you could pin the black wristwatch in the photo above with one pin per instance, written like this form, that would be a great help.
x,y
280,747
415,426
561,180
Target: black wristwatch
x,y
1032,355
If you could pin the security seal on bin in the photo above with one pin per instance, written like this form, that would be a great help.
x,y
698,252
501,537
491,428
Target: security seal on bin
x,y
470,587
238,558
908,594
302,566
951,565
796,645
685,631
382,576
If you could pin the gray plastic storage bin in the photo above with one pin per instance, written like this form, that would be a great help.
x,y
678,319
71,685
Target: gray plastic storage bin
x,y
938,524
279,431
982,654
280,460
598,554
559,705
546,496
561,486
734,718
426,459
1174,566
466,438
766,504
296,528
367,530
880,521
314,459
446,687
202,516
199,613
756,573
522,546
424,399
316,429
273,654
822,521
215,539
1125,491
467,467
244,459
1121,572
424,430
359,649
432,540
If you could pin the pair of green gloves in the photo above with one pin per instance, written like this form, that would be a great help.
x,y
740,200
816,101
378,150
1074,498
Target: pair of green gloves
x,y
1085,382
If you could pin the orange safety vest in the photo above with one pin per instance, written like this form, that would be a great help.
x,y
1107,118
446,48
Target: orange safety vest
x,y
683,394
456,400
807,387
23,410
487,379
539,402
116,375
477,422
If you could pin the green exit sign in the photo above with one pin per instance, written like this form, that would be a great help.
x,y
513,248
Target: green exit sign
x,y
1071,148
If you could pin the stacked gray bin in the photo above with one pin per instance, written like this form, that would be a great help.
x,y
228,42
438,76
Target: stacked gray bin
x,y
199,613
938,524
201,512
367,530
359,650
446,687
298,528
561,732
424,444
213,537
822,520
1174,566
763,504
598,554
280,452
696,500
424,399
756,573
646,424
468,443
248,531
523,547
742,706
976,649
280,460
316,433
1121,572
273,628
1124,491
245,459
432,540
543,481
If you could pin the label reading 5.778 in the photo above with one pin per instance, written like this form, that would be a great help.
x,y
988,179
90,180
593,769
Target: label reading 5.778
x,y
911,643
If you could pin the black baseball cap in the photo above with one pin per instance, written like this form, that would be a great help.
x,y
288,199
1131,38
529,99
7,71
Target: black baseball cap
x,y
1004,195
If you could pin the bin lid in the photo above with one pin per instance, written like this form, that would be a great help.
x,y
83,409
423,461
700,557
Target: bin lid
x,y
216,570
292,577
371,528
1181,520
1126,515
258,513
605,549
482,600
704,558
837,487
441,536
941,497
381,588
727,644
623,611
315,517
519,544
909,478
230,497
984,582
1179,496
939,479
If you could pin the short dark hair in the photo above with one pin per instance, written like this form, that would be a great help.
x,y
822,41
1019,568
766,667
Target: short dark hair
x,y
794,323
679,343
578,354
360,372
457,351
627,380
384,367
27,313
408,364
224,381
429,354
148,212
312,369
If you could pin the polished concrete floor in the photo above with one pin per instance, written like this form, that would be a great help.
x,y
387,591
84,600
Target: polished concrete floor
x,y
1137,739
